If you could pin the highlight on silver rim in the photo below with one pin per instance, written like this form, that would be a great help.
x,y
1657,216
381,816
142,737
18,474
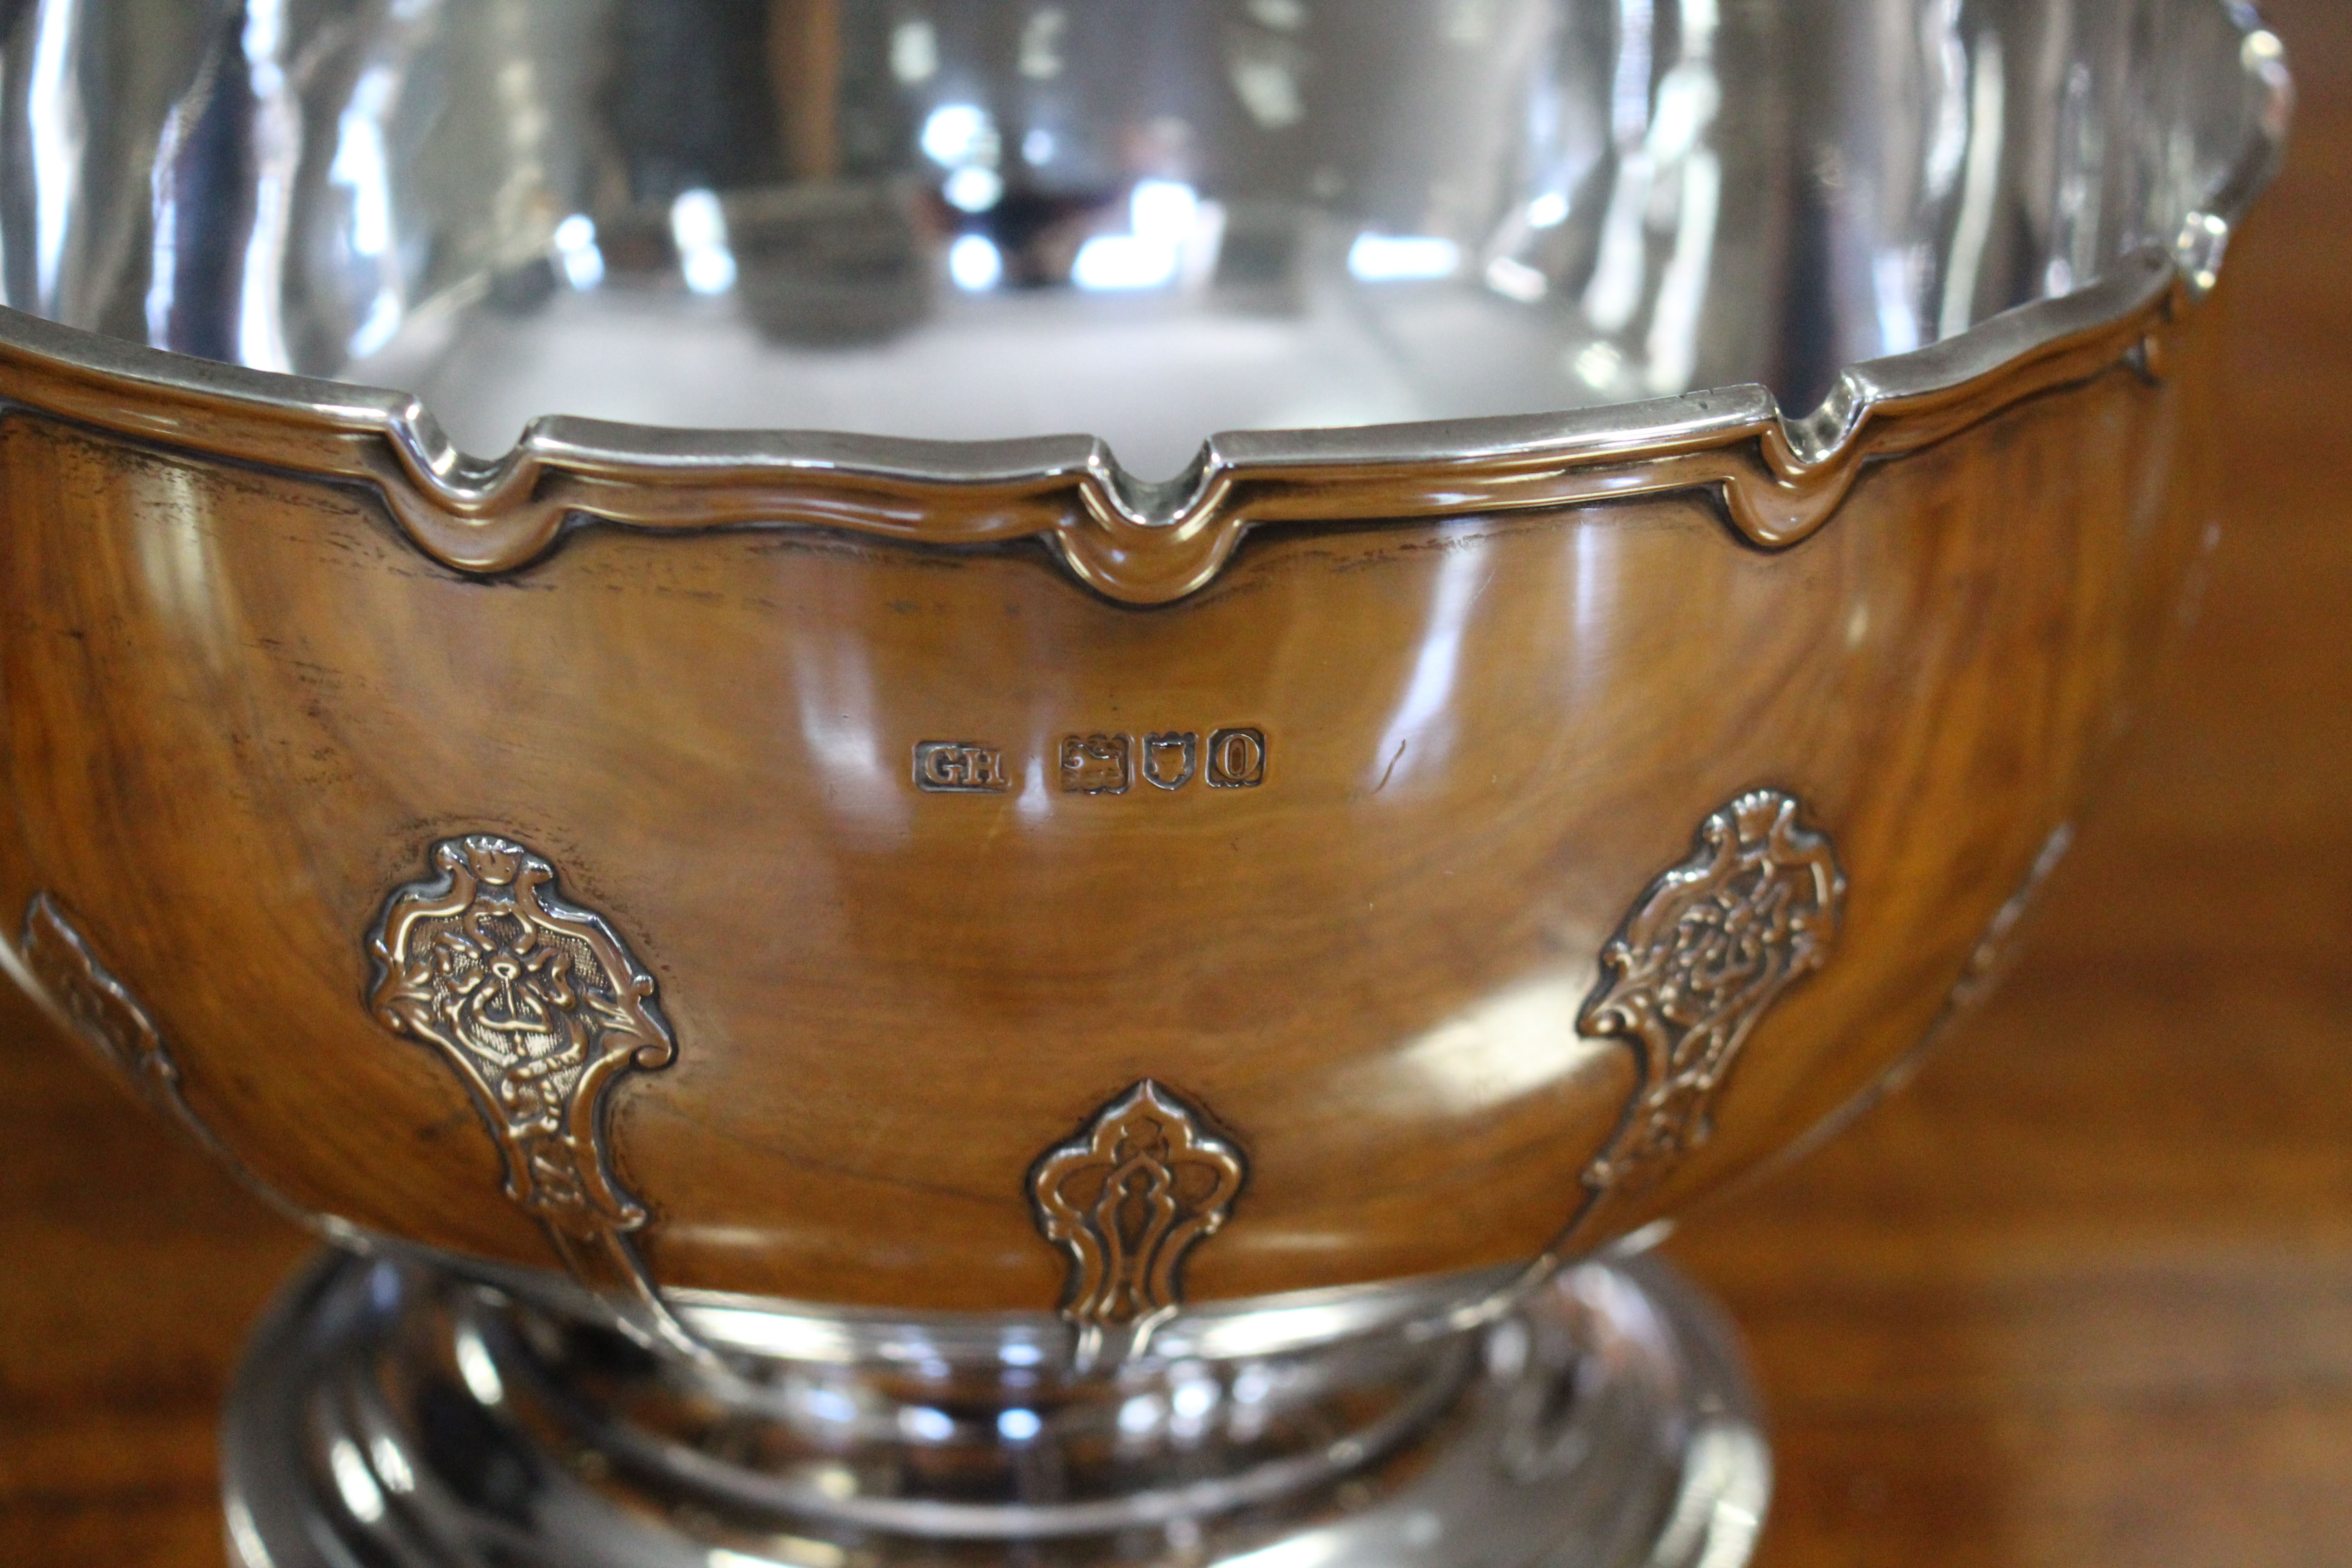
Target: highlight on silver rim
x,y
1541,220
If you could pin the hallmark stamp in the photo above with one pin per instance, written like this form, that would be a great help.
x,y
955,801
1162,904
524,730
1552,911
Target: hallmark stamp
x,y
1103,763
1237,759
1169,759
960,767
1095,765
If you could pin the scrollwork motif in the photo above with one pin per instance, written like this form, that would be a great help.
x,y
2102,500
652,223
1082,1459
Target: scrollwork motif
x,y
1781,481
59,967
539,1008
1707,951
1989,964
100,1010
1127,1199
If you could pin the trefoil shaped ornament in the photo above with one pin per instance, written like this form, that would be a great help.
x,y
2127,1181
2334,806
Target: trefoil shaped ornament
x,y
1127,1199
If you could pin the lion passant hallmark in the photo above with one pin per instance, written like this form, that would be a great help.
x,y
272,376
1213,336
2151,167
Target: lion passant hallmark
x,y
1016,785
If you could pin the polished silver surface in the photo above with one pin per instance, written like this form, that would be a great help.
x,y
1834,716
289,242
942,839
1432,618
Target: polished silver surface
x,y
1292,1323
392,1415
1146,220
967,218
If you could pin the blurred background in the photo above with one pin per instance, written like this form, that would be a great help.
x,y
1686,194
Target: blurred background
x,y
2082,1295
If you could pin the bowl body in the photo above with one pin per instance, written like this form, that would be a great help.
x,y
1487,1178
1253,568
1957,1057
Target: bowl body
x,y
244,706
1453,842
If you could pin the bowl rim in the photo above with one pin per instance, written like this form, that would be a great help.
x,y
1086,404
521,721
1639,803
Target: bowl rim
x,y
1779,480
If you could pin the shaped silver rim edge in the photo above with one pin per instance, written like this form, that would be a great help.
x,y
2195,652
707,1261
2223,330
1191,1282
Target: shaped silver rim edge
x,y
1780,480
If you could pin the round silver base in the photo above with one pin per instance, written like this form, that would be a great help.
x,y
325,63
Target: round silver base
x,y
389,1415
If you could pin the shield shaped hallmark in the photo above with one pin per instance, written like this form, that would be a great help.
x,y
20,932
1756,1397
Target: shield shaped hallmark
x,y
1237,759
1169,758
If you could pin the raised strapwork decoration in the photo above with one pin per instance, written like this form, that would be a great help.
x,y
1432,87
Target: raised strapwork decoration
x,y
99,1009
539,1008
58,966
1699,959
1127,1198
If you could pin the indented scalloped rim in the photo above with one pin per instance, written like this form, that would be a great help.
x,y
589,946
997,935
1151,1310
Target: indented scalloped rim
x,y
1136,543
1779,481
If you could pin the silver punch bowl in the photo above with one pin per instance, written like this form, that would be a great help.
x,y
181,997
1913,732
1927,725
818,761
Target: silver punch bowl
x,y
872,952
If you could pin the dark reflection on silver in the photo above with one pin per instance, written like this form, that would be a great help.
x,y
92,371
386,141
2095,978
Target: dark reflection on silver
x,y
1146,221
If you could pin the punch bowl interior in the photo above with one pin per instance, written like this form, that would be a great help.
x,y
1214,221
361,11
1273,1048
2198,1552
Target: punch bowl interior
x,y
964,219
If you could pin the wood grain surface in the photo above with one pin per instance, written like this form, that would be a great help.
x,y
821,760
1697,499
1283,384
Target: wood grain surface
x,y
2083,1296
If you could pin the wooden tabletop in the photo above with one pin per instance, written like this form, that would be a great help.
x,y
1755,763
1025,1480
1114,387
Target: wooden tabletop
x,y
2081,1296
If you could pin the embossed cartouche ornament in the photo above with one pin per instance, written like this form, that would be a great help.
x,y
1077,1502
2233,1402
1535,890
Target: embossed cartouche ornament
x,y
100,1009
59,967
1127,1199
539,1007
1710,947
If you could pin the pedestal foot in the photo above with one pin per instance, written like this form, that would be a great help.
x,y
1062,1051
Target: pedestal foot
x,y
389,1415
